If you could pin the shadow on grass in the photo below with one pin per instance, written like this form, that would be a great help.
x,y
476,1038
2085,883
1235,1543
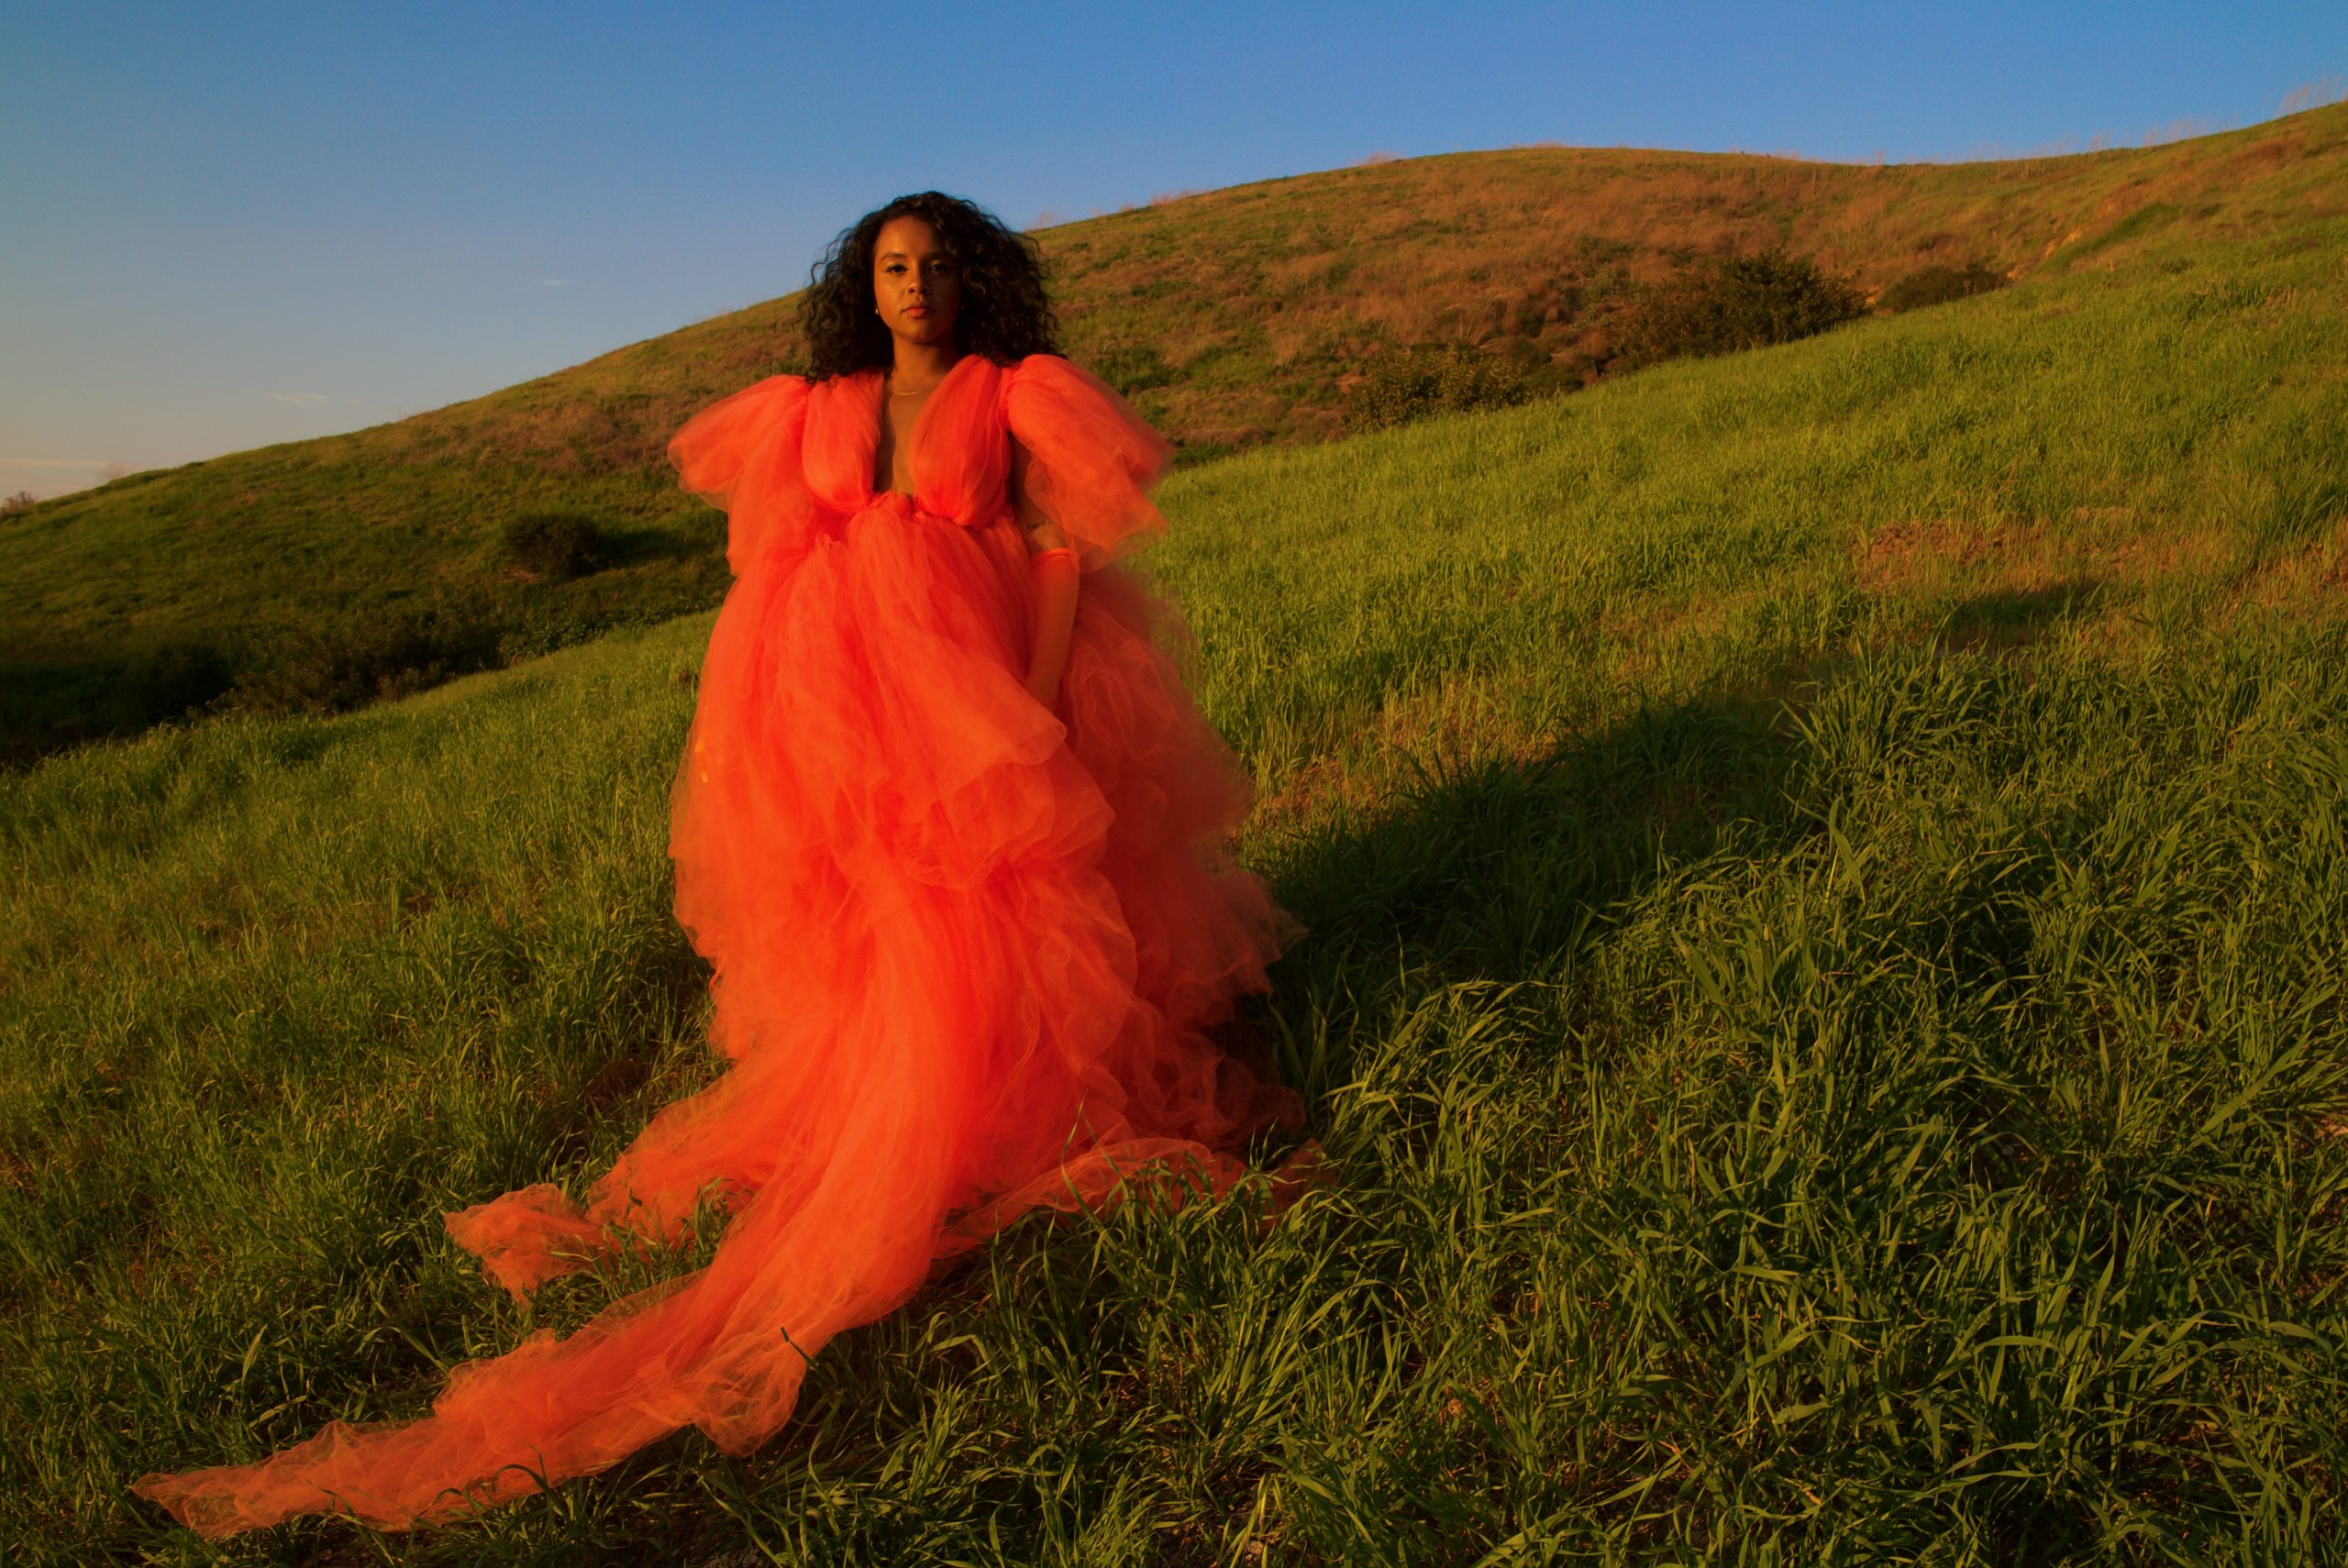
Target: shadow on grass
x,y
1500,869
2009,617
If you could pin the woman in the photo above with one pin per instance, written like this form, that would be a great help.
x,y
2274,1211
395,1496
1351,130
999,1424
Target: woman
x,y
951,833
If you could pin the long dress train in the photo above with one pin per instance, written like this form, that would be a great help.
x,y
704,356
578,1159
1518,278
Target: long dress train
x,y
966,948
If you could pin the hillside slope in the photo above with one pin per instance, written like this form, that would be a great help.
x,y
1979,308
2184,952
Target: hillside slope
x,y
1824,872
1234,317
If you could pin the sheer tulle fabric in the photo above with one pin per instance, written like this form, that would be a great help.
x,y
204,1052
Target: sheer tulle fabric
x,y
966,948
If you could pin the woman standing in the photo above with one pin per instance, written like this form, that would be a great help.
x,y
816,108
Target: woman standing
x,y
951,835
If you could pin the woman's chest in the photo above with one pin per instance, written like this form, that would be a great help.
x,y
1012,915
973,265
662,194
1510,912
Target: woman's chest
x,y
892,466
949,452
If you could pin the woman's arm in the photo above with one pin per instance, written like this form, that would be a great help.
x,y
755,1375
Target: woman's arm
x,y
1052,577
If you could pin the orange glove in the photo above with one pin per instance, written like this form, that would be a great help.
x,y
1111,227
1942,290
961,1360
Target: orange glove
x,y
1051,574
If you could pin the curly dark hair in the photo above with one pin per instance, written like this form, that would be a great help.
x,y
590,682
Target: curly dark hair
x,y
1005,313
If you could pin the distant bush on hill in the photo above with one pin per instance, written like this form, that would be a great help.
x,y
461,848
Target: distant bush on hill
x,y
367,658
178,677
1938,285
1403,384
1733,302
1132,368
20,502
560,545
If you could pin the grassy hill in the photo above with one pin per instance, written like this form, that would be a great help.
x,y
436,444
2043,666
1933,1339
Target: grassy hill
x,y
1826,872
1236,319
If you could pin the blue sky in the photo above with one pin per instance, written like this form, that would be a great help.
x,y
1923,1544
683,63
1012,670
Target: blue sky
x,y
227,224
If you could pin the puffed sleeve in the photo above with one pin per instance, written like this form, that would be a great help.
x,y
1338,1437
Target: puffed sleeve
x,y
741,454
1093,461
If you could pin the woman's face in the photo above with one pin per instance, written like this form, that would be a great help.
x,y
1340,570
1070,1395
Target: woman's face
x,y
915,284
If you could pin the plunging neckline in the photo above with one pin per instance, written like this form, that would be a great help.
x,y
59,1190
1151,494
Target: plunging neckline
x,y
912,439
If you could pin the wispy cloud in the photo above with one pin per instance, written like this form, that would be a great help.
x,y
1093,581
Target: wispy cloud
x,y
299,400
558,282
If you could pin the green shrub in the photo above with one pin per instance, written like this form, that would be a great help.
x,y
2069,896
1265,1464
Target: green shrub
x,y
1938,285
1402,384
1132,368
374,657
1733,302
559,545
174,678
1191,454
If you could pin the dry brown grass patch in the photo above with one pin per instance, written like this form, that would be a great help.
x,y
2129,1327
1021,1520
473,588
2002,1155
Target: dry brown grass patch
x,y
2312,578
1916,555
1459,722
1658,627
2102,547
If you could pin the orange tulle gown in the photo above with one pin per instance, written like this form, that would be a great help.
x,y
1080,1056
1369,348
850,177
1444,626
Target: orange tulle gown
x,y
966,948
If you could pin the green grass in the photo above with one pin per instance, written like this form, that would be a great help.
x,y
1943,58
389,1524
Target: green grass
x,y
1827,882
243,556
